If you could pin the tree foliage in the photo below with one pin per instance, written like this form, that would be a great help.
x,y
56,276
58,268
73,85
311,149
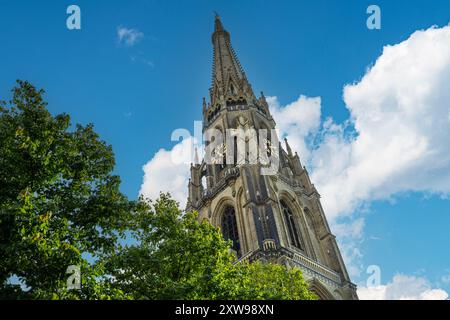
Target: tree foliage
x,y
58,198
177,257
60,205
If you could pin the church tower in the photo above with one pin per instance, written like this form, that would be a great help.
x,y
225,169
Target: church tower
x,y
272,216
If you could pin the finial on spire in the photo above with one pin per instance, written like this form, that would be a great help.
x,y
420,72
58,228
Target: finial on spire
x,y
196,156
217,22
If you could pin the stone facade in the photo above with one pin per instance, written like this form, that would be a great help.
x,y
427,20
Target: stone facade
x,y
276,217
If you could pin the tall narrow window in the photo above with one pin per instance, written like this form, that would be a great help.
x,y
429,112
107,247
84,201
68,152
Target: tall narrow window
x,y
229,228
294,238
235,155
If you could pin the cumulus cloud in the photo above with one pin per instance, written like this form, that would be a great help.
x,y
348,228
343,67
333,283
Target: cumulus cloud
x,y
352,230
168,171
128,36
395,141
401,132
297,121
403,287
352,255
399,111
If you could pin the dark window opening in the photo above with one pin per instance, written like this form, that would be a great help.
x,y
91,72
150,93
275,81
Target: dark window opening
x,y
229,229
294,238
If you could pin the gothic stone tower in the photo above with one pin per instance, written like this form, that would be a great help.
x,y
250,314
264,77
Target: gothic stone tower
x,y
275,217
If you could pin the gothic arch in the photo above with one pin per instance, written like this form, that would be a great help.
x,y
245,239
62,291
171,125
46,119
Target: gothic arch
x,y
218,210
288,199
320,290
297,210
338,294
292,227
232,87
233,227
229,228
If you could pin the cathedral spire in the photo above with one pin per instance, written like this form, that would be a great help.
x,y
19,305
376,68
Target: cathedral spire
x,y
274,217
228,77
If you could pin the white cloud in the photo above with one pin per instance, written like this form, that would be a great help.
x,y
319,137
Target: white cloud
x,y
399,112
352,255
350,236
353,229
168,171
403,287
297,121
399,134
128,36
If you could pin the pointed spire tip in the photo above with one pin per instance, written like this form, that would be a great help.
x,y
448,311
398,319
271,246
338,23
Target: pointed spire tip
x,y
217,23
196,156
288,147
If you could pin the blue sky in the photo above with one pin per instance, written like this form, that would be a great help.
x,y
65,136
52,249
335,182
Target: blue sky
x,y
136,95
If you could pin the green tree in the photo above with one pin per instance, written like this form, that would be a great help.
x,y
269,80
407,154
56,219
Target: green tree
x,y
59,201
177,257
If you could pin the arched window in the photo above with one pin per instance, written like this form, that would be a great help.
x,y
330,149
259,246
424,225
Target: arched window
x,y
229,228
294,238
